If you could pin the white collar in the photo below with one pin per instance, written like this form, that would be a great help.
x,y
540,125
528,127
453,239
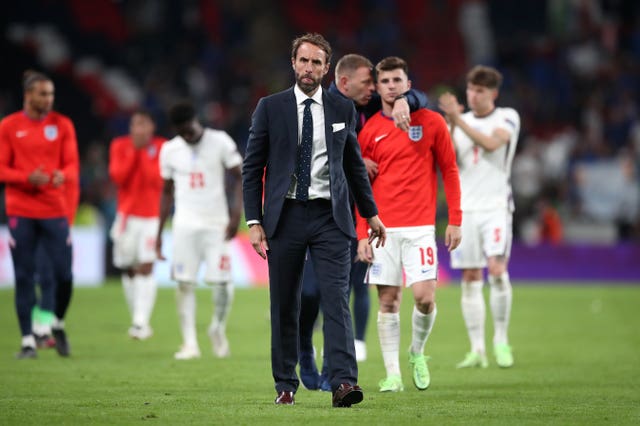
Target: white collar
x,y
301,96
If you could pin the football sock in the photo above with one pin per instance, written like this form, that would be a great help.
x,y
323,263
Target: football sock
x,y
474,314
422,324
500,300
57,324
45,319
28,340
389,335
145,298
129,292
41,321
222,296
186,303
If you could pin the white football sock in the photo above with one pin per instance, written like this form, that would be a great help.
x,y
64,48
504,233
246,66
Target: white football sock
x,y
389,335
474,314
145,298
500,300
29,341
186,303
40,329
57,324
129,292
222,297
422,324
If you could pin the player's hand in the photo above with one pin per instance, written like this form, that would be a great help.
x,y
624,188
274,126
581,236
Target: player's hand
x,y
258,240
57,178
401,114
159,255
372,168
377,231
452,237
365,252
38,177
448,103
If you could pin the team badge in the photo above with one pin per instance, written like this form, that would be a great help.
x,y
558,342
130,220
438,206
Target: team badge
x,y
51,132
415,133
152,151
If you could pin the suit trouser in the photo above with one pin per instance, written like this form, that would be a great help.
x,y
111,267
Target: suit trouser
x,y
311,300
310,225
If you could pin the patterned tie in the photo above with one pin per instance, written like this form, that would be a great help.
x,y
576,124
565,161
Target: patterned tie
x,y
304,153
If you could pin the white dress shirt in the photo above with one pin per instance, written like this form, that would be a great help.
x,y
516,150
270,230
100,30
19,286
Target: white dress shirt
x,y
319,187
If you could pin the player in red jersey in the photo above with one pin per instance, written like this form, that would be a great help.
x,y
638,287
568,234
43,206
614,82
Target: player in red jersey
x,y
134,168
405,190
38,157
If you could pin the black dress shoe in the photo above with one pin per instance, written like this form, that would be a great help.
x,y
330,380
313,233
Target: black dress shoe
x,y
347,395
285,398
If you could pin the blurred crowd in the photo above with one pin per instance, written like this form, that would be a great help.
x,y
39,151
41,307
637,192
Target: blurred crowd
x,y
570,69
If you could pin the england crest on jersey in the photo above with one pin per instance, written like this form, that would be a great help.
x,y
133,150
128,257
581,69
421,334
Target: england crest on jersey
x,y
51,132
415,133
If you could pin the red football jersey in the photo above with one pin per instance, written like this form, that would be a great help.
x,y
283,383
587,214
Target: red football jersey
x,y
136,173
406,186
27,144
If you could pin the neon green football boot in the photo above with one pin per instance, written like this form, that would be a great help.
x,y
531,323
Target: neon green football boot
x,y
504,357
473,359
421,376
391,384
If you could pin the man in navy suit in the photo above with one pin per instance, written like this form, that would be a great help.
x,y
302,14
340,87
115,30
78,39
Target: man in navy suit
x,y
303,155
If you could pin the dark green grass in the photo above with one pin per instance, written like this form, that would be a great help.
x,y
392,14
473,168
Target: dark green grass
x,y
577,353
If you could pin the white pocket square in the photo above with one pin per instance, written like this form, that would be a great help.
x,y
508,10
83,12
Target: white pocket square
x,y
337,127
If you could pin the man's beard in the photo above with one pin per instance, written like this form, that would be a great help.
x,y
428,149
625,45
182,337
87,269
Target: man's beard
x,y
307,88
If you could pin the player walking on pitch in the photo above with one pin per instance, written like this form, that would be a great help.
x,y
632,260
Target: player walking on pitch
x,y
485,138
193,166
133,166
405,189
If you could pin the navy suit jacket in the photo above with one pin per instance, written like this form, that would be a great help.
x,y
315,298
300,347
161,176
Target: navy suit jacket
x,y
272,150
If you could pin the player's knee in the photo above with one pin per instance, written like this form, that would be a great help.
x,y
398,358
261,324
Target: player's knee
x,y
425,300
389,306
185,286
469,275
425,305
496,266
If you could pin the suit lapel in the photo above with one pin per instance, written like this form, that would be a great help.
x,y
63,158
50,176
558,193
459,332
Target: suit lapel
x,y
291,118
329,119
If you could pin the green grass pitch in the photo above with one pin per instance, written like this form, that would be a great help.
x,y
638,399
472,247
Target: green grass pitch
x,y
577,351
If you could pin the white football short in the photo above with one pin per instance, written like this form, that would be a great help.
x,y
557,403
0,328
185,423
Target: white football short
x,y
192,246
134,240
484,234
409,249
